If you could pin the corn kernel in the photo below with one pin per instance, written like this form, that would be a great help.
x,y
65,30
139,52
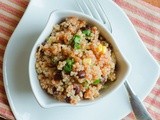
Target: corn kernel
x,y
87,61
104,49
99,48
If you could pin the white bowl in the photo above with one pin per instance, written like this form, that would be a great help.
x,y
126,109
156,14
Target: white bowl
x,y
56,17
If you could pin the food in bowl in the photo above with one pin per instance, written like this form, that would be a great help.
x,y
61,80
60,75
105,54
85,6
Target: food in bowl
x,y
75,62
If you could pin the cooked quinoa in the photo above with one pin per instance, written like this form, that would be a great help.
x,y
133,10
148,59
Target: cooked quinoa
x,y
75,62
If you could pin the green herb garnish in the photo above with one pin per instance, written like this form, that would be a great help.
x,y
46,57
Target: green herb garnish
x,y
68,66
76,41
77,46
97,81
87,32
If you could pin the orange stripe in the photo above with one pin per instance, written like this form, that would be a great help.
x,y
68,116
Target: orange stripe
x,y
6,31
8,20
21,3
11,10
141,2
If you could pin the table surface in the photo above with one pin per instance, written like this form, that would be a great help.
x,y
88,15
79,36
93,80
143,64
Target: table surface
x,y
154,2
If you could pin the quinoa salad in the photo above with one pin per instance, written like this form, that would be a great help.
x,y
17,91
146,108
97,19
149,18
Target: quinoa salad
x,y
75,62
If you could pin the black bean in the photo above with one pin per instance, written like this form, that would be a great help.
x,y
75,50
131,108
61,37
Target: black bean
x,y
88,27
83,28
58,75
53,90
76,88
81,74
68,99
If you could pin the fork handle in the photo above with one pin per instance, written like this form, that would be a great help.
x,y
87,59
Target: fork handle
x,y
139,109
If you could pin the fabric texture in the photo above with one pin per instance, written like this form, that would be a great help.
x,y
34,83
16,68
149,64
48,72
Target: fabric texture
x,y
145,18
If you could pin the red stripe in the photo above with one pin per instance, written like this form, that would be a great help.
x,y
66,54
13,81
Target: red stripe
x,y
21,3
149,40
1,77
11,10
1,64
154,114
131,116
138,11
156,91
158,81
2,89
3,100
5,31
6,113
154,54
8,20
153,102
145,26
1,52
3,41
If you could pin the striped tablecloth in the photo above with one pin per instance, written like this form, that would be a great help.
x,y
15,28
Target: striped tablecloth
x,y
145,18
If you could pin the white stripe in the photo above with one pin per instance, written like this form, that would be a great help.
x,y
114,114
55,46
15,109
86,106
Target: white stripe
x,y
153,96
15,6
157,86
6,26
142,7
142,19
145,32
151,47
9,15
152,107
4,36
4,106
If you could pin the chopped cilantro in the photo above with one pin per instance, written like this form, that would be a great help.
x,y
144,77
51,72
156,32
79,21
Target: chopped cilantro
x,y
68,66
76,40
87,32
97,81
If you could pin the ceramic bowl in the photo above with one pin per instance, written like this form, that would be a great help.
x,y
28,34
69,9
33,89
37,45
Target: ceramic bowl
x,y
45,100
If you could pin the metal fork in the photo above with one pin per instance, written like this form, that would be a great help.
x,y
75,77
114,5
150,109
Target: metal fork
x,y
95,10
